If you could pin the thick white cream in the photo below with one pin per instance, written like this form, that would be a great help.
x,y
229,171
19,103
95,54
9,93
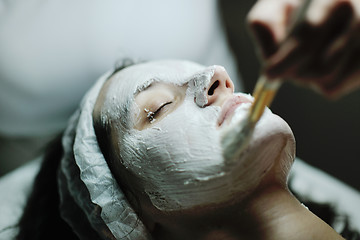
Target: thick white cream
x,y
179,160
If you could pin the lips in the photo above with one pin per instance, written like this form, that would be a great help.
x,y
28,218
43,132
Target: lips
x,y
229,107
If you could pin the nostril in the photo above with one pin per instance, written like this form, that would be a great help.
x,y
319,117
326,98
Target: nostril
x,y
213,87
227,84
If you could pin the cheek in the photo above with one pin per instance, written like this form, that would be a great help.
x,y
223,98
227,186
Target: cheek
x,y
176,157
182,142
136,119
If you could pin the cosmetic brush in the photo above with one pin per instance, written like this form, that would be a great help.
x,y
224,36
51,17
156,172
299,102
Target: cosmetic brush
x,y
237,138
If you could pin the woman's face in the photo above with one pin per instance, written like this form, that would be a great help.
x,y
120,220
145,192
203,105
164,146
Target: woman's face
x,y
168,119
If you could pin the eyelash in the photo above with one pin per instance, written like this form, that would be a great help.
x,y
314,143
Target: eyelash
x,y
151,115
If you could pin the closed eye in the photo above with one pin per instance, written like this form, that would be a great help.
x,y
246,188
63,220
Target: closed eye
x,y
151,115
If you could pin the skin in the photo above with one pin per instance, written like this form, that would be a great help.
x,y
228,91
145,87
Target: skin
x,y
321,50
165,94
269,210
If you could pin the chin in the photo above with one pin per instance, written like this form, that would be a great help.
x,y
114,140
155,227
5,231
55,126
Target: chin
x,y
274,143
268,157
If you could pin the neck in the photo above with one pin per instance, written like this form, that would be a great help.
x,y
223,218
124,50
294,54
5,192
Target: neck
x,y
271,213
281,216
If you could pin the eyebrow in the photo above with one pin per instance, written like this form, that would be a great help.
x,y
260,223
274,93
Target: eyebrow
x,y
145,86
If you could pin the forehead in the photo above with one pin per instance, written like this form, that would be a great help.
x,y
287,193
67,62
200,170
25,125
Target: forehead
x,y
136,78
116,97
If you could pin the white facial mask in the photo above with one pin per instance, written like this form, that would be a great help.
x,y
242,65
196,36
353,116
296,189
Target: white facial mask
x,y
179,160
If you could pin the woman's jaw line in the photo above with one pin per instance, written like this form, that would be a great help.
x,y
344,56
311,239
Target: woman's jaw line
x,y
239,201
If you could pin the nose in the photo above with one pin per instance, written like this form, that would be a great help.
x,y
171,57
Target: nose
x,y
220,87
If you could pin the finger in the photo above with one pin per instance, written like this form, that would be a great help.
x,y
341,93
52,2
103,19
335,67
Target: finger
x,y
350,32
352,83
349,74
318,11
265,39
317,65
270,29
337,78
337,23
290,54
356,6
